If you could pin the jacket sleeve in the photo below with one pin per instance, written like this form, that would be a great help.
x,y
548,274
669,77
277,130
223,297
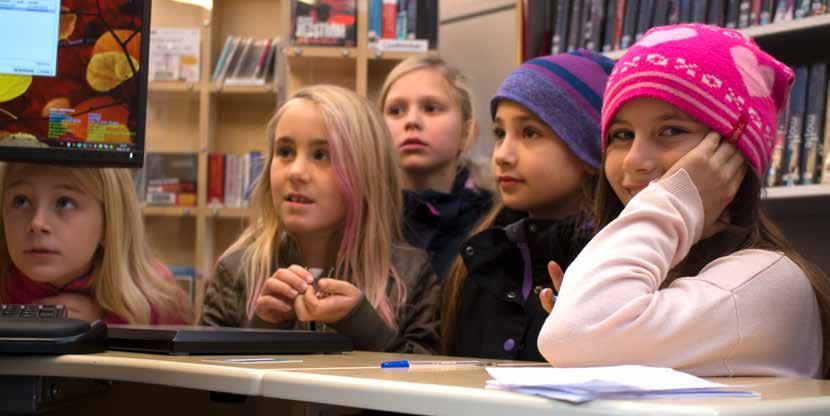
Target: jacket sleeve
x,y
611,310
224,299
417,323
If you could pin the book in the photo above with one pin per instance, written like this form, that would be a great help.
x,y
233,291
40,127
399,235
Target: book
x,y
593,15
375,20
608,43
243,72
538,29
216,179
685,11
813,122
629,24
174,54
802,8
818,7
411,19
674,12
824,165
661,13
784,11
699,11
715,12
325,22
559,41
765,17
798,104
389,16
755,13
775,170
427,22
231,60
575,25
644,18
170,170
222,58
744,11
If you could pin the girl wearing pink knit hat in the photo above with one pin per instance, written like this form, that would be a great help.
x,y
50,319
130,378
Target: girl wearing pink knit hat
x,y
686,271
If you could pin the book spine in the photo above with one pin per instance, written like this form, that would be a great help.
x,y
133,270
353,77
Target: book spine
x,y
644,18
661,13
816,95
685,11
818,7
428,22
755,14
216,178
699,11
610,22
715,13
222,58
741,8
618,23
674,12
575,34
798,102
775,170
259,70
401,21
560,31
230,167
375,20
765,17
802,9
390,14
588,25
412,19
783,11
629,24
824,164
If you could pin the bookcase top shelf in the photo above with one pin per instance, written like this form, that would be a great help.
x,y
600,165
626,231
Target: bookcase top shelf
x,y
789,28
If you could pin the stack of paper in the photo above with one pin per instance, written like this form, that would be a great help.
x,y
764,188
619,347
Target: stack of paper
x,y
580,385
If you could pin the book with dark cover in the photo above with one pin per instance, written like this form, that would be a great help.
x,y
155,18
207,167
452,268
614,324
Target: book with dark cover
x,y
629,23
644,18
575,30
784,10
813,122
594,43
823,150
699,8
715,12
427,22
765,17
685,11
538,30
743,11
661,13
798,104
673,17
775,168
610,24
802,8
559,42
324,23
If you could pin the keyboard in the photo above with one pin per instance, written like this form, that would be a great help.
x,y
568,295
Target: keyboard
x,y
46,329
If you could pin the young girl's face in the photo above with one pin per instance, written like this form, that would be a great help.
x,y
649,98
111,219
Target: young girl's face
x,y
304,189
645,138
52,226
535,171
425,121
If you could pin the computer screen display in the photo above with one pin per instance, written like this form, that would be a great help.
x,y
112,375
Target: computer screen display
x,y
73,81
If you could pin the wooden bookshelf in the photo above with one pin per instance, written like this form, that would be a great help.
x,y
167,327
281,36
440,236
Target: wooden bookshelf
x,y
799,191
204,118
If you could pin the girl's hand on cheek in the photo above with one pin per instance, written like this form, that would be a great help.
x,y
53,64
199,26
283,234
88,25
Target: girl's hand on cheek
x,y
341,298
276,302
78,306
717,169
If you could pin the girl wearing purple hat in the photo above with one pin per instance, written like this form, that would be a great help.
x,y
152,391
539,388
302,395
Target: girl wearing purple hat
x,y
686,271
547,153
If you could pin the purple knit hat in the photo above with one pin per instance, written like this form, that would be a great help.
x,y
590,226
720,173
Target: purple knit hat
x,y
565,92
718,76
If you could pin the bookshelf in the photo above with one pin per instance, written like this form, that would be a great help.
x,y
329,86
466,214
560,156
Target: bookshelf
x,y
203,118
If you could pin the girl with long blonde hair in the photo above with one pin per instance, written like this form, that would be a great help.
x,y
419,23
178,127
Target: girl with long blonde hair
x,y
75,236
328,199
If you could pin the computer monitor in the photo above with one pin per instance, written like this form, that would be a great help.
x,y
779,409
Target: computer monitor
x,y
73,81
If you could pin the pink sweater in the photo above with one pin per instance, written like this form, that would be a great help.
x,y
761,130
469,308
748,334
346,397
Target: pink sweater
x,y
749,313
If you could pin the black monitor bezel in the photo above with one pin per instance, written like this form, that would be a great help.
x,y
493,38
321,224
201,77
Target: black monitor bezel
x,y
96,158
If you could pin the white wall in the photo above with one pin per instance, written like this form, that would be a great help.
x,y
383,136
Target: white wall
x,y
482,45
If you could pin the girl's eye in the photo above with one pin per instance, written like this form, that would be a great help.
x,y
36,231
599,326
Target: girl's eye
x,y
432,108
624,135
284,152
530,133
498,133
321,155
20,201
64,203
672,131
394,111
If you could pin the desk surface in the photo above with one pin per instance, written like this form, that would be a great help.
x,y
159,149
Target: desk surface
x,y
355,380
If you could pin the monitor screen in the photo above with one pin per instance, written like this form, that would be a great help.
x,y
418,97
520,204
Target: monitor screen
x,y
73,81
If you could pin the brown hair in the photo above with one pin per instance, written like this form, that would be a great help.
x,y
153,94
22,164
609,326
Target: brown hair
x,y
748,228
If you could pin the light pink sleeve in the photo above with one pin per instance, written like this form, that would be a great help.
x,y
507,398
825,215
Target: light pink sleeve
x,y
611,311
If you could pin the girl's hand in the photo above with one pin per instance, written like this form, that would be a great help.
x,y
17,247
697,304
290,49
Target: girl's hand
x,y
717,169
341,297
546,295
78,306
276,302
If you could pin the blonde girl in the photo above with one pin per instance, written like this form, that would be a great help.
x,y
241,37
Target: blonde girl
x,y
329,199
75,236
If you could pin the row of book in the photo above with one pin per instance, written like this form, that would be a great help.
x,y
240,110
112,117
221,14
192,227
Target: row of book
x,y
232,177
556,26
168,179
334,22
803,134
247,61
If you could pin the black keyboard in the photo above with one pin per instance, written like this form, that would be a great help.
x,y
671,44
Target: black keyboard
x,y
32,311
46,329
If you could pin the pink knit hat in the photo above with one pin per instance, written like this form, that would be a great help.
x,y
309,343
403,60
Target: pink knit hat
x,y
718,76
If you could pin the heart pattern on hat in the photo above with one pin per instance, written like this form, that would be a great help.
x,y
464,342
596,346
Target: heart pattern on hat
x,y
663,36
758,79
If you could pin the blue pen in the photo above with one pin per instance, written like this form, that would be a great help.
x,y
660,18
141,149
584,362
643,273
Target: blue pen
x,y
433,364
